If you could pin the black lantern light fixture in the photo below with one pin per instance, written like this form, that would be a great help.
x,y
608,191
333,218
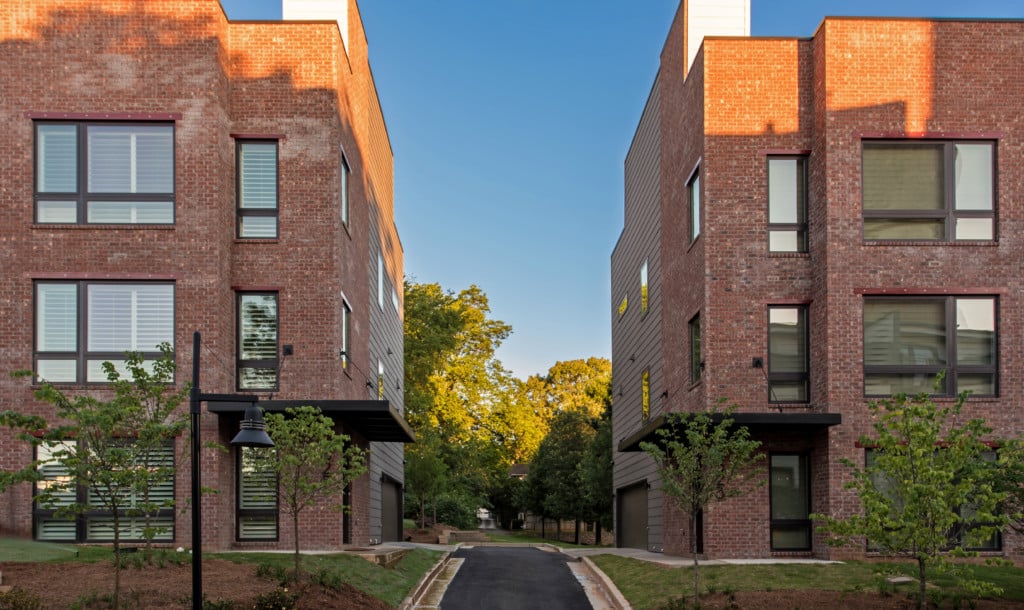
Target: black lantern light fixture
x,y
253,433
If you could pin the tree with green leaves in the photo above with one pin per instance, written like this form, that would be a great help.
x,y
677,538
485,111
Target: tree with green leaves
x,y
927,487
597,475
311,463
425,472
1010,481
556,479
115,449
702,458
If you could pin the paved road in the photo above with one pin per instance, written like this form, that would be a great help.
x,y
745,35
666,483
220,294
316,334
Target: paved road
x,y
514,578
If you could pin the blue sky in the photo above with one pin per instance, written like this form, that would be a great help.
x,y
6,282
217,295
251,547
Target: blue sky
x,y
510,122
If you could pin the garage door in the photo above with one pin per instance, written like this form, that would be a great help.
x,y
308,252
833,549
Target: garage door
x,y
391,511
632,516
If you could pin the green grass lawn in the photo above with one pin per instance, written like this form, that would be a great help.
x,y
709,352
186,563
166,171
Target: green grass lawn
x,y
647,585
529,538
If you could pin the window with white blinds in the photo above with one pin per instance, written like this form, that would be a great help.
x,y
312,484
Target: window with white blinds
x,y
257,189
124,173
97,524
81,325
257,495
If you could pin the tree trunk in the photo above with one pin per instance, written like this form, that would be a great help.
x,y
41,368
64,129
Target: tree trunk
x,y
423,512
920,583
295,531
543,534
597,533
696,564
576,535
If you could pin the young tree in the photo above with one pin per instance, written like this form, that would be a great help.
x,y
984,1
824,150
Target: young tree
x,y
597,475
311,462
115,449
703,458
926,487
425,472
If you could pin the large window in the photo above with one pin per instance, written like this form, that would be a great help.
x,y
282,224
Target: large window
x,y
257,189
961,534
790,503
909,340
97,524
80,325
787,204
104,173
693,194
257,513
696,362
788,362
257,341
928,190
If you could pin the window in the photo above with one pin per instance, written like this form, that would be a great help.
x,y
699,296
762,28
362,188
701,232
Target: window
x,y
790,503
909,340
80,325
256,517
257,189
960,535
787,204
929,190
346,330
696,364
257,341
346,175
643,287
104,173
645,395
97,525
787,354
693,192
380,379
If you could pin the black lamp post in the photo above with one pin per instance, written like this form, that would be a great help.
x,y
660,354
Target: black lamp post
x,y
252,434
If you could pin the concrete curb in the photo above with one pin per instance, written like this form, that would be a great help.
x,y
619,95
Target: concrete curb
x,y
612,592
421,587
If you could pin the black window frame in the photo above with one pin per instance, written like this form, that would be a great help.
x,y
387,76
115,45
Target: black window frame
x,y
693,198
799,227
257,363
242,513
696,358
951,368
802,524
803,312
81,520
82,356
81,196
242,212
948,214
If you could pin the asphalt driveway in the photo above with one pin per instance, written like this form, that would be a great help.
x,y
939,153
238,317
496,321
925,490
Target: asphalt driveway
x,y
514,578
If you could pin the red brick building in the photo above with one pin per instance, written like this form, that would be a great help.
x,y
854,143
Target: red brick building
x,y
164,170
811,223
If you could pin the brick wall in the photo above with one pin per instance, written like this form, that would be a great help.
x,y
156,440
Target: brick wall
x,y
216,80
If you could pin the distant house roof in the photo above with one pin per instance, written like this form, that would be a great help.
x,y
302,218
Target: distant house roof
x,y
519,471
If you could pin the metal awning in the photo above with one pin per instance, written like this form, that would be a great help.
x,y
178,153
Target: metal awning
x,y
755,422
376,420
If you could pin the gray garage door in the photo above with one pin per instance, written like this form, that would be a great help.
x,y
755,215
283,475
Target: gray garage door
x,y
391,511
632,516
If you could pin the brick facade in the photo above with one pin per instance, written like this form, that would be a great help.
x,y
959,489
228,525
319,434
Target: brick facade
x,y
746,99
219,83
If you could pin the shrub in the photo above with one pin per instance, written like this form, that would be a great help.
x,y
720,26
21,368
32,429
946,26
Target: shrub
x,y
19,599
279,599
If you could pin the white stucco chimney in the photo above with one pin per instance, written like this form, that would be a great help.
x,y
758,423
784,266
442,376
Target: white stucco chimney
x,y
713,18
318,10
